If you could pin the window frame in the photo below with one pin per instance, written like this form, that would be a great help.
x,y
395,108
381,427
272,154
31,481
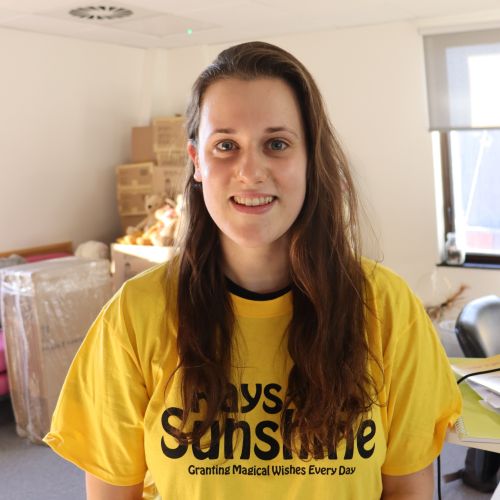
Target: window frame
x,y
472,259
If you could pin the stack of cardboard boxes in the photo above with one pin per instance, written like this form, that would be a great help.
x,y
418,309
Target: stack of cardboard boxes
x,y
158,154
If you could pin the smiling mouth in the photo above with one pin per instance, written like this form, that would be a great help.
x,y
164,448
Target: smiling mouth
x,y
253,202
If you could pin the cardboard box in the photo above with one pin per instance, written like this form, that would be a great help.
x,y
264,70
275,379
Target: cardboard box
x,y
164,142
129,260
134,176
132,201
172,158
47,308
169,134
136,181
141,143
169,180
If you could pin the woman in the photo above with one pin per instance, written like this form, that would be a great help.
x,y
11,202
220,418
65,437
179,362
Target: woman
x,y
268,359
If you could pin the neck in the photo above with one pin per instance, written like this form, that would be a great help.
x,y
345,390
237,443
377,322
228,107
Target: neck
x,y
261,269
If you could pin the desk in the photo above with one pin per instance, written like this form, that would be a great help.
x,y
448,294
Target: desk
x,y
452,437
479,421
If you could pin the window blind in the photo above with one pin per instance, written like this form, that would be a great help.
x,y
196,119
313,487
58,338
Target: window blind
x,y
463,80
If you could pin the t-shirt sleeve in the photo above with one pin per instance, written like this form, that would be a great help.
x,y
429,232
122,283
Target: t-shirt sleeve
x,y
98,420
423,399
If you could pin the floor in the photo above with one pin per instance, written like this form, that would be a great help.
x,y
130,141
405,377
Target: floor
x,y
33,472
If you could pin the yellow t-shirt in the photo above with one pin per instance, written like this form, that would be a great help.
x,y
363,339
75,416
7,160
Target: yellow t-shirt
x,y
115,413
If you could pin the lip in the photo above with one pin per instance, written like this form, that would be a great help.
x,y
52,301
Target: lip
x,y
255,210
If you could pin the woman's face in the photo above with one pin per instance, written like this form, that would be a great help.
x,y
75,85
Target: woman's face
x,y
251,159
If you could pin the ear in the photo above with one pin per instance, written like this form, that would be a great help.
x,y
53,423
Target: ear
x,y
193,154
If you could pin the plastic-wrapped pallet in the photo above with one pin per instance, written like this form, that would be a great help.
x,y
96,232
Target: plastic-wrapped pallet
x,y
47,308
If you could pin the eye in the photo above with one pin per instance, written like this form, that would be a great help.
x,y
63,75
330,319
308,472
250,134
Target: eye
x,y
277,145
225,146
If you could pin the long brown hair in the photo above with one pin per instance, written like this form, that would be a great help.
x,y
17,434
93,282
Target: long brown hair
x,y
329,384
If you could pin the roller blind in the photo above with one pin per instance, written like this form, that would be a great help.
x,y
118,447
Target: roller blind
x,y
463,79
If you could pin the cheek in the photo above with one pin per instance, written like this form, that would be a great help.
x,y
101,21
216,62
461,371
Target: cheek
x,y
204,171
296,186
211,170
213,179
213,193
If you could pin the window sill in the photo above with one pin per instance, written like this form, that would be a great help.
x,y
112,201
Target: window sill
x,y
470,265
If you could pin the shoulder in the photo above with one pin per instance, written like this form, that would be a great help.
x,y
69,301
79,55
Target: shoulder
x,y
152,278
155,287
387,291
394,312
142,303
142,315
380,278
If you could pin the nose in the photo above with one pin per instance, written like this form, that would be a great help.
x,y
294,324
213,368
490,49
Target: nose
x,y
251,167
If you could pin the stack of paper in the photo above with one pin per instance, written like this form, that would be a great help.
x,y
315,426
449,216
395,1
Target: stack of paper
x,y
480,419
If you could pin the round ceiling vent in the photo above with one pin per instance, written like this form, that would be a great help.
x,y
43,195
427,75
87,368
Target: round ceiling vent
x,y
101,13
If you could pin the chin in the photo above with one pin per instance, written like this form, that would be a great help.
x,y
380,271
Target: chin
x,y
256,241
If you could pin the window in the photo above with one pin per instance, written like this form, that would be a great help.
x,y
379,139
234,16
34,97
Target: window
x,y
463,83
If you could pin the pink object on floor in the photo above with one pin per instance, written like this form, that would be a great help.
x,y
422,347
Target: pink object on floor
x,y
3,362
46,256
4,384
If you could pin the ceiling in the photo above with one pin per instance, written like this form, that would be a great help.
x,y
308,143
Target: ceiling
x,y
180,23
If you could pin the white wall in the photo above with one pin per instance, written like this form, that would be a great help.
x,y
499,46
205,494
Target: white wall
x,y
183,67
373,82
66,108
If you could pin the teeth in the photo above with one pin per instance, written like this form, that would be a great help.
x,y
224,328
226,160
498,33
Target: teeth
x,y
253,202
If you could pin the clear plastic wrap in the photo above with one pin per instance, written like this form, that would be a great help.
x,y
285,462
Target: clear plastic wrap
x,y
47,308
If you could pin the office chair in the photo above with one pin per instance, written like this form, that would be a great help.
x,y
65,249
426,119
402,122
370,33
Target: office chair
x,y
478,333
478,327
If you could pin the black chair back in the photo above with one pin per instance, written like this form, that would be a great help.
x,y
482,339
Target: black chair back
x,y
478,327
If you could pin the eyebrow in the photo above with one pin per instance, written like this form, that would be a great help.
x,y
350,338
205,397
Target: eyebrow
x,y
223,131
281,129
269,130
